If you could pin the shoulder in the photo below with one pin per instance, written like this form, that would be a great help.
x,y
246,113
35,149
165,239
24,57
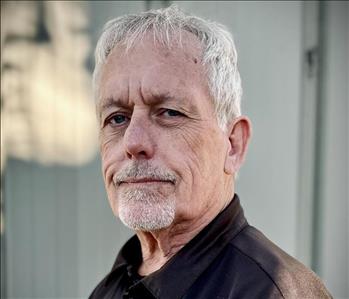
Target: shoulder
x,y
289,276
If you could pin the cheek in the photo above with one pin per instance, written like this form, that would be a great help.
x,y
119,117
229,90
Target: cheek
x,y
193,143
111,157
199,158
204,152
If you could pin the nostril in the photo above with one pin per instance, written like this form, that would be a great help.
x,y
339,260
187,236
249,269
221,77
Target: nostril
x,y
142,153
128,155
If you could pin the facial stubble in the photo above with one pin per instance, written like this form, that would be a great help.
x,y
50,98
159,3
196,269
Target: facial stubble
x,y
146,209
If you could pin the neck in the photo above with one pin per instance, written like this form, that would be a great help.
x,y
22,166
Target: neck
x,y
160,246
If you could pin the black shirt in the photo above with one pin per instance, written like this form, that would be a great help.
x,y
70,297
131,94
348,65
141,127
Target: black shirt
x,y
227,259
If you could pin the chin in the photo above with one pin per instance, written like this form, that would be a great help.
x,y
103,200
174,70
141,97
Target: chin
x,y
144,210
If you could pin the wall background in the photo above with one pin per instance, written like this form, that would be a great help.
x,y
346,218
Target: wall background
x,y
59,237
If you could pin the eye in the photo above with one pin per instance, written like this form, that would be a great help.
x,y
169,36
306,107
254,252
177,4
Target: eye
x,y
172,113
117,120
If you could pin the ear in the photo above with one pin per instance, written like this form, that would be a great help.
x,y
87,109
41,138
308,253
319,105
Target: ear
x,y
238,133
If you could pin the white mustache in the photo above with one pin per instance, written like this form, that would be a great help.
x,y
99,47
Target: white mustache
x,y
143,170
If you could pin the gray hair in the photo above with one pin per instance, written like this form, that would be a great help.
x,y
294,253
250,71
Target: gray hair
x,y
219,55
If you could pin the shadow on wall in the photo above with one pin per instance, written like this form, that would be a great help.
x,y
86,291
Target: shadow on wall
x,y
47,120
47,109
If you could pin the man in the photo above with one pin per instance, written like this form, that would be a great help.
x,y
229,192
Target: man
x,y
172,141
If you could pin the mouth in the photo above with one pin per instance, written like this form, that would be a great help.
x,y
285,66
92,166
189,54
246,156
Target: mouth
x,y
143,181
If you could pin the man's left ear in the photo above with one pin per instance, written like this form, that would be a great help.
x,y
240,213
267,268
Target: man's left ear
x,y
238,133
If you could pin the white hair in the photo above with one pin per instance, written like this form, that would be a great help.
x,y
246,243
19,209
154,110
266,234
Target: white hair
x,y
219,55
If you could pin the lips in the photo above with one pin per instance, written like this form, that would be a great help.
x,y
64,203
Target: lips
x,y
142,181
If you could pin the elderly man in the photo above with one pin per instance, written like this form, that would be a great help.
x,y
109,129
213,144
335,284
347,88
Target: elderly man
x,y
172,140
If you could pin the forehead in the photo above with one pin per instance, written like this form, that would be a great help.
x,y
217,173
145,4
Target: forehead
x,y
154,68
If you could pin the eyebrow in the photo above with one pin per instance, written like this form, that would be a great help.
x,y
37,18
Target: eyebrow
x,y
168,97
111,102
154,100
185,104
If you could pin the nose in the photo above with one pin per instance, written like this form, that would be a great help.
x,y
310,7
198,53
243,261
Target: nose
x,y
138,141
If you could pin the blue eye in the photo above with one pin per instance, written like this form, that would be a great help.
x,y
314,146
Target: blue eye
x,y
171,112
118,119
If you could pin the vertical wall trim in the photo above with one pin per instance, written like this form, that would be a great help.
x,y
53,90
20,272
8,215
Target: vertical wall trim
x,y
307,131
319,146
312,141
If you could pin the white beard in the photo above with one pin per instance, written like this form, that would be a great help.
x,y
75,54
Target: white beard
x,y
146,210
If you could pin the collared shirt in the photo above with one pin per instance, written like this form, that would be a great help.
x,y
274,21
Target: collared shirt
x,y
227,259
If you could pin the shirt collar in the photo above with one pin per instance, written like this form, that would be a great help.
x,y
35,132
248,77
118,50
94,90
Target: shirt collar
x,y
189,262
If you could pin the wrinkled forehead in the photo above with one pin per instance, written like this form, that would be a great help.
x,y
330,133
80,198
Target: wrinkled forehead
x,y
177,65
170,41
182,47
